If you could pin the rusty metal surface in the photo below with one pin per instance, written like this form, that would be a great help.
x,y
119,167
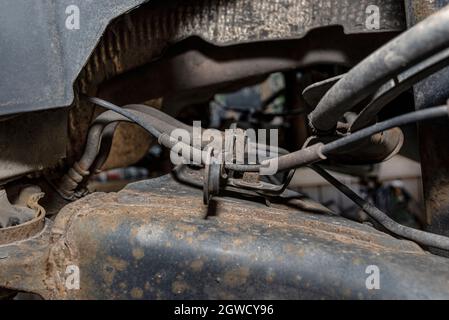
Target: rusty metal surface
x,y
226,22
130,144
22,231
418,10
24,264
379,147
156,240
434,158
152,241
27,211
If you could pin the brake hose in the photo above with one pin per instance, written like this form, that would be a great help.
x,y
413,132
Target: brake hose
x,y
320,151
421,237
411,47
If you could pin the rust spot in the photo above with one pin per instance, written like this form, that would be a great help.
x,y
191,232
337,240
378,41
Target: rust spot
x,y
130,143
116,263
236,277
138,253
356,261
423,8
270,277
136,293
289,248
179,287
189,229
197,265
437,197
123,285
133,233
108,274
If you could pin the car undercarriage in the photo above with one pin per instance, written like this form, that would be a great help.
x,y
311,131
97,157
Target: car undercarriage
x,y
221,104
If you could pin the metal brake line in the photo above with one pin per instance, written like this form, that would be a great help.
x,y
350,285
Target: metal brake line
x,y
421,237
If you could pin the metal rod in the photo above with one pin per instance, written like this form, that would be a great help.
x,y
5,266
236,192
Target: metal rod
x,y
421,237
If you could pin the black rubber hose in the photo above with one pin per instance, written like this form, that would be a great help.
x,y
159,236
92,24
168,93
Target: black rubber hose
x,y
162,116
166,125
105,147
318,152
163,138
112,118
135,118
395,87
420,237
413,46
412,117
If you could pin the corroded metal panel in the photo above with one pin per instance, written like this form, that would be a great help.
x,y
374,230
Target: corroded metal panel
x,y
156,240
